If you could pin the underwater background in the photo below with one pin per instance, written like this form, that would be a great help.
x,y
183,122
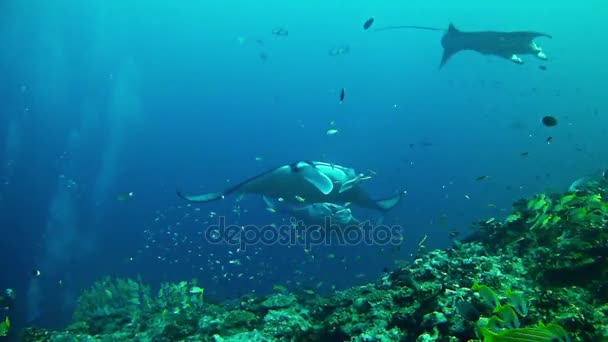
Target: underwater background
x,y
105,98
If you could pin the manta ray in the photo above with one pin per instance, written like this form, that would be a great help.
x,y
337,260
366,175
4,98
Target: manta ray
x,y
316,213
507,45
313,181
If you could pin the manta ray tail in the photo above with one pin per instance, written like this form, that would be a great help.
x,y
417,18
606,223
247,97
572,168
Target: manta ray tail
x,y
213,196
407,27
389,203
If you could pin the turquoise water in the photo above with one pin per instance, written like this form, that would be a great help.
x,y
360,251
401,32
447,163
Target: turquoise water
x,y
102,98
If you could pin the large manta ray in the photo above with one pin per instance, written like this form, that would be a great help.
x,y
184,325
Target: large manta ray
x,y
314,181
508,45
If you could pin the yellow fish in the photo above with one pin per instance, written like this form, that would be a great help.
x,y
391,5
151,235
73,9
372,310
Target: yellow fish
x,y
542,333
125,196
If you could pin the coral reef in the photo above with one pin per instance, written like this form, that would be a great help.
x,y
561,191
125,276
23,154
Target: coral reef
x,y
544,263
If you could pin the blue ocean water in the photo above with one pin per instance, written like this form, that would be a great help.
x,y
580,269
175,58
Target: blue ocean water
x,y
104,98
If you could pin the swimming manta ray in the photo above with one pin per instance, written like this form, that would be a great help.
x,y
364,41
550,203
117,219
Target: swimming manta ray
x,y
508,45
315,213
314,181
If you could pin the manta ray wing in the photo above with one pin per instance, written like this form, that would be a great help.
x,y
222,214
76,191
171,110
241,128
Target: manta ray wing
x,y
209,197
389,203
265,183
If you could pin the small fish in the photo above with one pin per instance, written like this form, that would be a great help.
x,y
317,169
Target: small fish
x,y
495,323
125,196
453,233
518,301
467,197
342,94
543,333
259,158
331,256
554,221
279,288
300,199
513,217
549,140
36,273
549,121
281,32
108,293
507,314
537,203
567,199
339,50
332,131
487,294
263,56
272,210
368,23
595,198
480,178
196,289
421,242
524,154
542,67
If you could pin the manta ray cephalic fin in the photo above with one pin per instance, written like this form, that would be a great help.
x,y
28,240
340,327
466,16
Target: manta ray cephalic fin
x,y
318,179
